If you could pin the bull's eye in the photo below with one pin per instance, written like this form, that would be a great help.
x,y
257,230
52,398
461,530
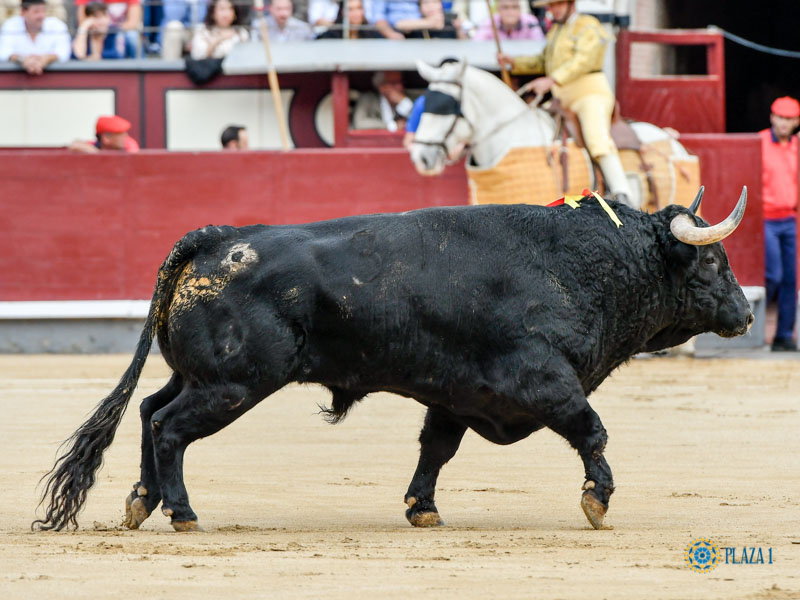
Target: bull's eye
x,y
710,260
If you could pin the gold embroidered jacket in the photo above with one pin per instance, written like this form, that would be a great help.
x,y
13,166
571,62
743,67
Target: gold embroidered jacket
x,y
573,49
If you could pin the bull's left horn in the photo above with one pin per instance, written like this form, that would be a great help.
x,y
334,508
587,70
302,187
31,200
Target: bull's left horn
x,y
685,230
696,204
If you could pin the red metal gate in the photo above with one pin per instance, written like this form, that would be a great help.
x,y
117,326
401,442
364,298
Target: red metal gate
x,y
688,103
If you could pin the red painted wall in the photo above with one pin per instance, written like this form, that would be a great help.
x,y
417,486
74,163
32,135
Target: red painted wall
x,y
98,227
75,227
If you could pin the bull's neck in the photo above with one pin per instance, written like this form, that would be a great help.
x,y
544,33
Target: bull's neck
x,y
641,315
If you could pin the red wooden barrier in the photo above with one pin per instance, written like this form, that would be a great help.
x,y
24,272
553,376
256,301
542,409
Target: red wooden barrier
x,y
97,227
75,227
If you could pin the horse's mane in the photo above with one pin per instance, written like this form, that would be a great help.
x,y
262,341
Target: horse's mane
x,y
485,81
490,100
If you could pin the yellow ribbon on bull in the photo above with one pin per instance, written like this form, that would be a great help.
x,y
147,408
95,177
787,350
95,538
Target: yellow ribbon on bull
x,y
575,202
608,210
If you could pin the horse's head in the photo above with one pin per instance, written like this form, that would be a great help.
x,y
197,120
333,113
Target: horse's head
x,y
466,106
443,132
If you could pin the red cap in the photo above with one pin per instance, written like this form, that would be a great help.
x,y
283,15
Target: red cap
x,y
112,124
786,107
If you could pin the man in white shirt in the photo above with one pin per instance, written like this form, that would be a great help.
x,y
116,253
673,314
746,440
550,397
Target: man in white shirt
x,y
282,26
34,40
388,109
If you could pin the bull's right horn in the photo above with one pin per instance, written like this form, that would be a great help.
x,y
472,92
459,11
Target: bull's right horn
x,y
683,227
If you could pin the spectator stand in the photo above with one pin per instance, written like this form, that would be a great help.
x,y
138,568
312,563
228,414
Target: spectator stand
x,y
165,107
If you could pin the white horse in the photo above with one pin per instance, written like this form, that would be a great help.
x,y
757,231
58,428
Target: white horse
x,y
468,109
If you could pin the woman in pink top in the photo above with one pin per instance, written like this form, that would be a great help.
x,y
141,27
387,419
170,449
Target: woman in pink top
x,y
511,24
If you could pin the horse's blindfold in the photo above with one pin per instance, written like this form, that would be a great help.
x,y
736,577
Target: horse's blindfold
x,y
440,103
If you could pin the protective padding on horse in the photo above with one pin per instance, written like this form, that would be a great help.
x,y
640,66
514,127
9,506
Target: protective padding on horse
x,y
676,179
530,175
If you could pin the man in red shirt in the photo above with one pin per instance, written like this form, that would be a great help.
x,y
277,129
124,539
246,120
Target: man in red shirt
x,y
112,134
779,148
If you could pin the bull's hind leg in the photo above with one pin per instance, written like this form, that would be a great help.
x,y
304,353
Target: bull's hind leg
x,y
197,412
146,493
439,440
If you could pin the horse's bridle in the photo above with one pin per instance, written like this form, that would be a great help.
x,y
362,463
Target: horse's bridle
x,y
456,111
457,114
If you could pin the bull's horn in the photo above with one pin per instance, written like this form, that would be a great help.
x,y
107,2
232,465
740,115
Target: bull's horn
x,y
696,204
683,227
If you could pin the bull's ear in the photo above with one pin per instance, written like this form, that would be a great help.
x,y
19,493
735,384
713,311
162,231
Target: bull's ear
x,y
427,72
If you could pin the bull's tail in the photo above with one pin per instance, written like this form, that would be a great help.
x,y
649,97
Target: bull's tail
x,y
74,471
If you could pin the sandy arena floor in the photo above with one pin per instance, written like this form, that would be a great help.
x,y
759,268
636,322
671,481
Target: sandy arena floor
x,y
296,508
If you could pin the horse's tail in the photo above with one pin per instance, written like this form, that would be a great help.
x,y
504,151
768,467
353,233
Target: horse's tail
x,y
74,472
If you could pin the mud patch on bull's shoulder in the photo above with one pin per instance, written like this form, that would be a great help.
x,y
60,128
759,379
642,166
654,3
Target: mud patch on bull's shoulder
x,y
239,257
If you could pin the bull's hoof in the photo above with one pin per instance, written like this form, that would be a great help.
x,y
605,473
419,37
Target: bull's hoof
x,y
594,510
420,517
135,510
186,526
424,519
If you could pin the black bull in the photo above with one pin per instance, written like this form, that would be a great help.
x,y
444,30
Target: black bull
x,y
501,319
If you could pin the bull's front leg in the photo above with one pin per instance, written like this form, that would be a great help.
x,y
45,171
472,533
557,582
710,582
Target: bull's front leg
x,y
583,429
439,440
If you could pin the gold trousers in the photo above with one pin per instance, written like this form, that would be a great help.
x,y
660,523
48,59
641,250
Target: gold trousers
x,y
591,99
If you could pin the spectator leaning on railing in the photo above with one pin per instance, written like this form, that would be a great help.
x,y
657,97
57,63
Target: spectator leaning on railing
x,y
359,28
181,19
11,8
511,23
282,26
222,30
386,14
322,13
126,16
34,40
433,23
95,38
111,133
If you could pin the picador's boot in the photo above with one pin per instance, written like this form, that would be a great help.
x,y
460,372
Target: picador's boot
x,y
616,181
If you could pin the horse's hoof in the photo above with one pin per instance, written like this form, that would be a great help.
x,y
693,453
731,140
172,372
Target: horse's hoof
x,y
135,511
594,510
186,526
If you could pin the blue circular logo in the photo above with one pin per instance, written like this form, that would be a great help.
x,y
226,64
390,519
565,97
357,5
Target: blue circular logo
x,y
702,555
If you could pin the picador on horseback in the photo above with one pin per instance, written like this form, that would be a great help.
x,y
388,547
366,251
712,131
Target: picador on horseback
x,y
572,64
